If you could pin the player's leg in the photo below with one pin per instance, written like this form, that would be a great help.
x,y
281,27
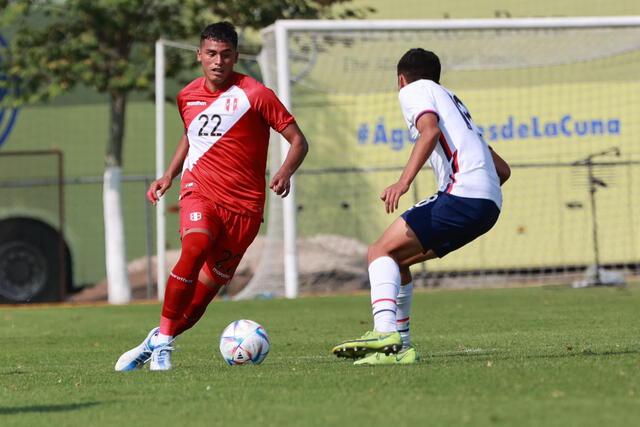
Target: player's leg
x,y
180,290
221,263
206,290
397,245
397,249
181,286
199,228
439,225
408,353
389,261
238,232
405,297
403,310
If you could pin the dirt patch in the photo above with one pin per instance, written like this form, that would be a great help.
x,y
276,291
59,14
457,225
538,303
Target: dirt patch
x,y
327,264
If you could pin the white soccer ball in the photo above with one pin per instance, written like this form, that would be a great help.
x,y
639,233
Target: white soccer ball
x,y
244,341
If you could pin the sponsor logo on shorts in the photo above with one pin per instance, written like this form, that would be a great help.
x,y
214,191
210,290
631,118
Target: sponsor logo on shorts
x,y
196,103
426,201
220,273
195,216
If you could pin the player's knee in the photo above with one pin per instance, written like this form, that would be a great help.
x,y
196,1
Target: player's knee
x,y
205,277
371,253
404,264
217,277
405,275
376,251
195,246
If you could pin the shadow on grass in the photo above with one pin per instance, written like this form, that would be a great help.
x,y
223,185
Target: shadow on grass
x,y
501,355
464,354
46,408
13,373
581,353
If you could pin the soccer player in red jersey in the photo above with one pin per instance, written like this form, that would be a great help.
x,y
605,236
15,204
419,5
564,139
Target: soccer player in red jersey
x,y
222,156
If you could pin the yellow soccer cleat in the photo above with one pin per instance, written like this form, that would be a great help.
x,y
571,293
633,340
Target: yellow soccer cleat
x,y
404,357
371,342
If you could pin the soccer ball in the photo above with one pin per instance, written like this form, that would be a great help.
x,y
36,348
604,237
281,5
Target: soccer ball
x,y
243,342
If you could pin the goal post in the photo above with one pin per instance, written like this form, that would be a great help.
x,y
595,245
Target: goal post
x,y
547,93
275,232
291,284
160,96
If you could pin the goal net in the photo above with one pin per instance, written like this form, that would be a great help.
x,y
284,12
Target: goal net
x,y
557,98
176,66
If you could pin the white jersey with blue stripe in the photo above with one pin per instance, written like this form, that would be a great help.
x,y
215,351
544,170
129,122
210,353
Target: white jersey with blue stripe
x,y
462,160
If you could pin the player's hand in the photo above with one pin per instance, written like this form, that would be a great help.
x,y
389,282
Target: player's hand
x,y
281,183
158,188
391,195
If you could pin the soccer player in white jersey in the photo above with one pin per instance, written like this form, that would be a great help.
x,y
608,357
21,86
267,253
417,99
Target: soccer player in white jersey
x,y
222,156
469,175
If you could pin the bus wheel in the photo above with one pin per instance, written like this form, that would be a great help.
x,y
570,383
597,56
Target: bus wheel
x,y
30,262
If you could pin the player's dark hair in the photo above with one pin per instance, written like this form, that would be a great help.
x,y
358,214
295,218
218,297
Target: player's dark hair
x,y
222,32
419,64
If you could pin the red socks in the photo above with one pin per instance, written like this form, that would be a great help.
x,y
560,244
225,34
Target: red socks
x,y
201,299
182,281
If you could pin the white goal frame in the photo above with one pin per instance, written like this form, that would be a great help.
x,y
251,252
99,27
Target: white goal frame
x,y
161,213
160,143
281,30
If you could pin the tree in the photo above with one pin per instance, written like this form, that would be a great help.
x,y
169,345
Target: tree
x,y
108,45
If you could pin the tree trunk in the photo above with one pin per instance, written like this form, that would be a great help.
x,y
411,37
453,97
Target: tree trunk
x,y
119,287
113,156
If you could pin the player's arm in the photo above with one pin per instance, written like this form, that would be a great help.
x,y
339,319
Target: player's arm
x,y
281,181
427,125
502,167
162,184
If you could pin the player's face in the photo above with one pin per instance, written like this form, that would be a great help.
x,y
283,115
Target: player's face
x,y
217,59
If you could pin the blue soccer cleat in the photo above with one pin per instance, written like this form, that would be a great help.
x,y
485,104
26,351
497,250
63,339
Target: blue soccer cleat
x,y
137,356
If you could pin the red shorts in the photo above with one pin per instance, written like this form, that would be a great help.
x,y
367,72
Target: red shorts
x,y
232,233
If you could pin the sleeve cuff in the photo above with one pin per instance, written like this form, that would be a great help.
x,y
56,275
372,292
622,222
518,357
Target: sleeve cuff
x,y
422,113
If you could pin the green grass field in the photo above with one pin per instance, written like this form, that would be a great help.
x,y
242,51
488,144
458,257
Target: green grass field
x,y
513,357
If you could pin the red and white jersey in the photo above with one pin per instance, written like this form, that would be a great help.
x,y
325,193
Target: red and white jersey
x,y
228,134
461,160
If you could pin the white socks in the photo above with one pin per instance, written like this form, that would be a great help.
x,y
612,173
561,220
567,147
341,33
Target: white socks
x,y
390,302
384,276
403,313
161,339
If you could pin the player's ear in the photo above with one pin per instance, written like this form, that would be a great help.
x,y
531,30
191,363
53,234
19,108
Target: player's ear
x,y
235,61
402,81
199,55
